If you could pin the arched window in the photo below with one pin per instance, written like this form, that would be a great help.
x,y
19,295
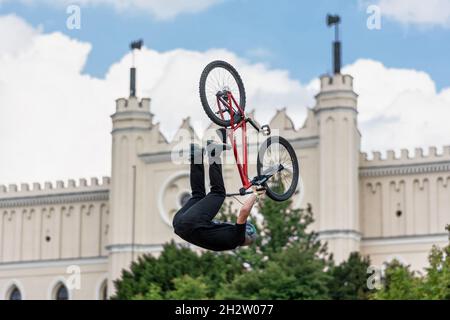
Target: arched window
x,y
61,292
15,294
103,294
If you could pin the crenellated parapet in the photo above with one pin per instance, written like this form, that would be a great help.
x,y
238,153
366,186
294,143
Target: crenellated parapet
x,y
59,187
336,82
336,93
133,104
132,114
421,161
391,158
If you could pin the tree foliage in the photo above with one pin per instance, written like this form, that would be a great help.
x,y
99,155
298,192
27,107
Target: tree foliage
x,y
349,279
400,283
175,262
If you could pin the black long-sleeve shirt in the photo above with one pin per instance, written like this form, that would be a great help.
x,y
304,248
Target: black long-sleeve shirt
x,y
216,236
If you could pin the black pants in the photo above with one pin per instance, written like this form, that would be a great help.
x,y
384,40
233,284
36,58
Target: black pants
x,y
193,222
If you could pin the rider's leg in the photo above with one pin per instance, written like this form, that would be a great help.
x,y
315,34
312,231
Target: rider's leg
x,y
197,181
216,177
207,208
204,210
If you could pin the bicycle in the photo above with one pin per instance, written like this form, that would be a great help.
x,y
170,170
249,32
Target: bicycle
x,y
221,88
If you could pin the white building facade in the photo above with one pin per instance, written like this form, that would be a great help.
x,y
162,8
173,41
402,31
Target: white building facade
x,y
386,208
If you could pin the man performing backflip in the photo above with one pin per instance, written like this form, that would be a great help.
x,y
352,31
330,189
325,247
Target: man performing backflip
x,y
194,221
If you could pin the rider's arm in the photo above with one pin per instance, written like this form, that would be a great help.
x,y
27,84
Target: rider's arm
x,y
248,204
246,208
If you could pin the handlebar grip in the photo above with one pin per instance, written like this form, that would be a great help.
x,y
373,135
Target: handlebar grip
x,y
266,130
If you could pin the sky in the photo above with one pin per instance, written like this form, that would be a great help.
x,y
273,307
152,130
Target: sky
x,y
58,85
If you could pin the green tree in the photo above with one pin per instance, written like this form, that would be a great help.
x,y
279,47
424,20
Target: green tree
x,y
294,273
153,293
287,262
399,283
174,262
436,284
282,226
349,279
188,288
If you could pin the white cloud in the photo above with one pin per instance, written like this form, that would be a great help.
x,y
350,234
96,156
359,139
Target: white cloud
x,y
49,110
54,120
12,42
399,108
160,9
420,12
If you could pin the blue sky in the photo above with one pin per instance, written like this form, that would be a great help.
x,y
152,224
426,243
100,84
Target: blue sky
x,y
284,34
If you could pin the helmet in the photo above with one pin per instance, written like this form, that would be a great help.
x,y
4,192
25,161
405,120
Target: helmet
x,y
250,234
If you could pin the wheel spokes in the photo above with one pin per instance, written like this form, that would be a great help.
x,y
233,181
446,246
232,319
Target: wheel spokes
x,y
219,80
277,154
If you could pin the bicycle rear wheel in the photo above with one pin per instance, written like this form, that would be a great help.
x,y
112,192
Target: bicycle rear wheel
x,y
218,78
276,151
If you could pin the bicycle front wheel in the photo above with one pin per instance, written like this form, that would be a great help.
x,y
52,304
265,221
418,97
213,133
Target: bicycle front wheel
x,y
218,78
277,158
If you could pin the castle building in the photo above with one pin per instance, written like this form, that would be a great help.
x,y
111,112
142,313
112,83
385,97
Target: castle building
x,y
70,240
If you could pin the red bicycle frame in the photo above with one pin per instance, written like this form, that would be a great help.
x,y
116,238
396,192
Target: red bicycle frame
x,y
242,167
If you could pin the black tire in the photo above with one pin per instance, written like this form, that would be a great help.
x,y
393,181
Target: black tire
x,y
204,95
275,182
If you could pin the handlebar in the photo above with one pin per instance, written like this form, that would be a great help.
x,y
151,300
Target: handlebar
x,y
265,128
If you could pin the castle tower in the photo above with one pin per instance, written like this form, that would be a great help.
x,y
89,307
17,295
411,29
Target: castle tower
x,y
339,147
132,123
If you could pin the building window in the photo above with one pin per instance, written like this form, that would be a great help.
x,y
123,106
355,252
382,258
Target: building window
x,y
104,291
15,294
61,293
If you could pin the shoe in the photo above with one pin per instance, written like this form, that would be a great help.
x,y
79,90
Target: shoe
x,y
214,149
